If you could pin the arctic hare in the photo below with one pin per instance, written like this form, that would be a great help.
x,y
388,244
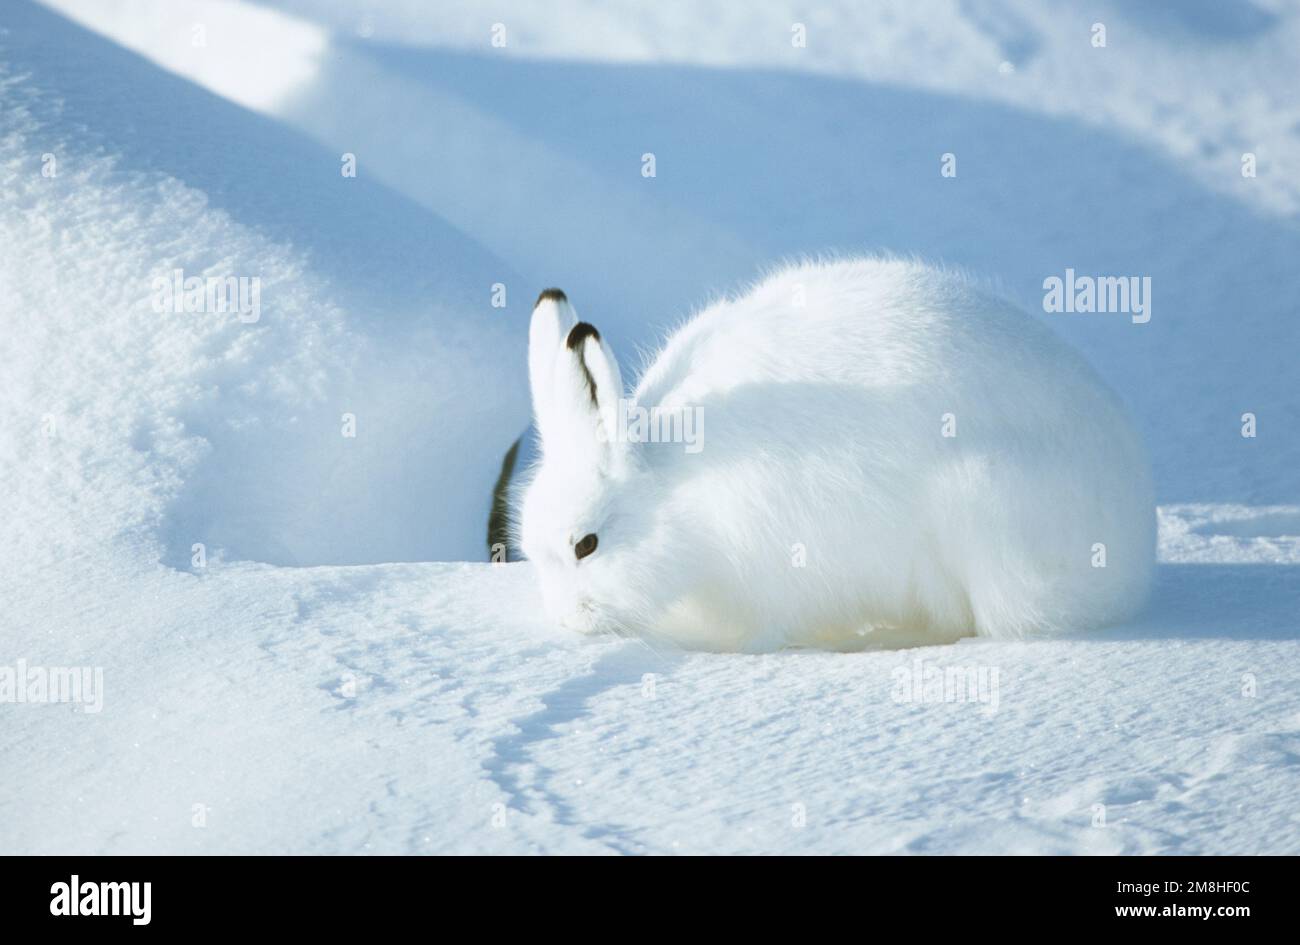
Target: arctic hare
x,y
883,455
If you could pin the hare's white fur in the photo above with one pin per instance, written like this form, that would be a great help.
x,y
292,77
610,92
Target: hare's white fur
x,y
827,507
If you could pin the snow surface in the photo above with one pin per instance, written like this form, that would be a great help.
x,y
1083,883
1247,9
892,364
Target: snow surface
x,y
321,686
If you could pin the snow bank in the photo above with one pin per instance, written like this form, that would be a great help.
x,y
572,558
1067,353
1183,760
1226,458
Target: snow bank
x,y
166,429
1199,82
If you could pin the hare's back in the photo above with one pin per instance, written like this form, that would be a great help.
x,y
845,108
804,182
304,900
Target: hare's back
x,y
876,323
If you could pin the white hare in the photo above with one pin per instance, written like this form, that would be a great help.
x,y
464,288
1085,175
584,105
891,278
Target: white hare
x,y
882,455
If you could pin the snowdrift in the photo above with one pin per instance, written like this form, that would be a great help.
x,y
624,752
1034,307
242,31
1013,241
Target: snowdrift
x,y
210,428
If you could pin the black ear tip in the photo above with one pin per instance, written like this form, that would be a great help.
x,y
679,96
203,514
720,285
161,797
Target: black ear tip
x,y
579,333
555,295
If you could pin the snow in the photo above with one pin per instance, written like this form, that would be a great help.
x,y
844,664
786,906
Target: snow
x,y
336,679
236,697
370,307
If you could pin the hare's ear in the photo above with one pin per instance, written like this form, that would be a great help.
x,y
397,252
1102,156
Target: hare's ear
x,y
553,317
588,395
603,378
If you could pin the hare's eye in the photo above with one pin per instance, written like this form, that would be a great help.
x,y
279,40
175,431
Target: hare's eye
x,y
585,547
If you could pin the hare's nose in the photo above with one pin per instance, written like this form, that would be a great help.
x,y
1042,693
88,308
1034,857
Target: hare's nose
x,y
581,619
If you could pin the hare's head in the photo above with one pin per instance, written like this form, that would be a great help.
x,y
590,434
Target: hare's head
x,y
575,523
